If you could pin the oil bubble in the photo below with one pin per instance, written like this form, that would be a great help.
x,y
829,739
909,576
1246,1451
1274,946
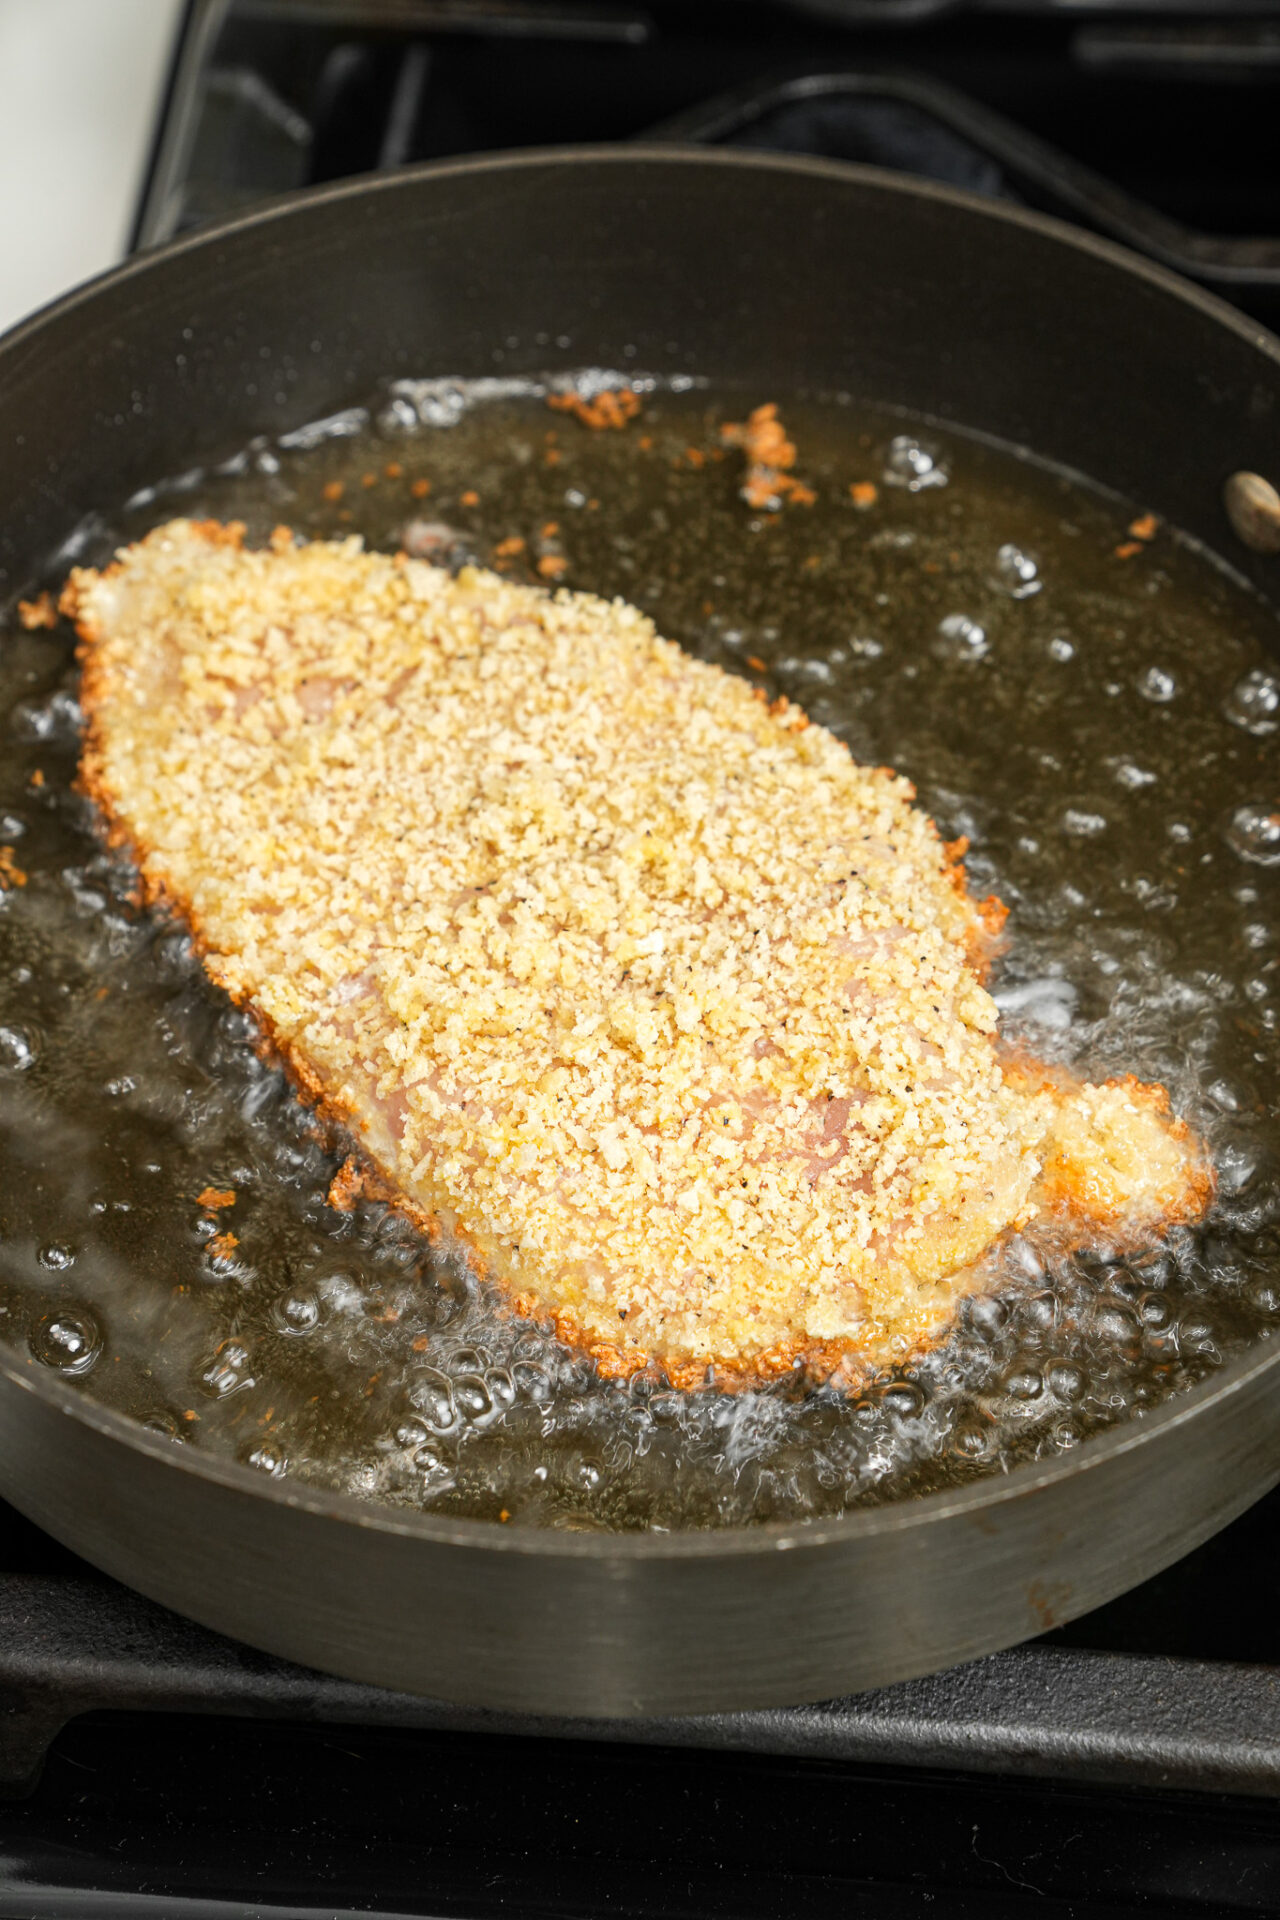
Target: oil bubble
x,y
1016,574
297,1312
228,1372
19,1049
1254,833
165,1424
971,1441
267,1459
55,1258
911,464
1024,1380
1065,1380
69,1340
1115,1324
960,638
1082,823
501,1386
1197,1333
1155,1312
1038,1314
1254,702
987,1315
1157,684
530,1381
431,1394
471,1397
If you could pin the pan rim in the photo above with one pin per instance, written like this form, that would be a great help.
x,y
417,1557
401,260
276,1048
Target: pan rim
x,y
991,1490
521,160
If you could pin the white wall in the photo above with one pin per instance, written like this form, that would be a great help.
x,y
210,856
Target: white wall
x,y
80,89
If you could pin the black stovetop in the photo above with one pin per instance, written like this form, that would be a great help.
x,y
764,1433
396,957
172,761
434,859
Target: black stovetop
x,y
1126,1764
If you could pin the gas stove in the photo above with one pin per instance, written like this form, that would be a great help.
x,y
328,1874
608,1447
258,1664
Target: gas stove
x,y
1129,1763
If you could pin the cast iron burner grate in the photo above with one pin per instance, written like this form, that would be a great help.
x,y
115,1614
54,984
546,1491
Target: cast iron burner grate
x,y
1142,122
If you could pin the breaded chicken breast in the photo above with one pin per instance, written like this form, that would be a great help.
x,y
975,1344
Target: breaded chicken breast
x,y
649,993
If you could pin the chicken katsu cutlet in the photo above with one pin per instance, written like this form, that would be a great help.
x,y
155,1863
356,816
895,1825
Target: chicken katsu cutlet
x,y
647,992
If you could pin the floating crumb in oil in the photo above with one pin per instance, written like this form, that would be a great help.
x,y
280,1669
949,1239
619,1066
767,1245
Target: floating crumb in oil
x,y
770,456
40,612
213,1198
612,408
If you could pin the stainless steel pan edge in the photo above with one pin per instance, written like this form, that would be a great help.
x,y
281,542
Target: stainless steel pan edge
x,y
601,1625
1045,338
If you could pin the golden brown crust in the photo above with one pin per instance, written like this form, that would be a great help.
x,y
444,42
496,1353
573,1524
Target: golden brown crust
x,y
364,1174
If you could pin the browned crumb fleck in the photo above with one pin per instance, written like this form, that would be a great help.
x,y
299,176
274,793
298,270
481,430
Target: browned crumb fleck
x,y
550,529
223,1245
36,778
420,489
11,874
393,470
39,612
1144,527
646,442
608,409
770,458
469,499
753,660
346,1186
214,1197
368,479
864,494
333,490
513,544
281,539
552,457
504,1513
552,565
1127,549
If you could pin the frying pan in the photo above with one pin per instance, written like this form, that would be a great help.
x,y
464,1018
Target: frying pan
x,y
770,273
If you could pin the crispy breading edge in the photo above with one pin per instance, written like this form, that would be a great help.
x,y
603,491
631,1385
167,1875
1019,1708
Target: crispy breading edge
x,y
362,1175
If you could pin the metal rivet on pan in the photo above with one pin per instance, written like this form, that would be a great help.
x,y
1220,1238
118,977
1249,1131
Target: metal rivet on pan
x,y
1253,508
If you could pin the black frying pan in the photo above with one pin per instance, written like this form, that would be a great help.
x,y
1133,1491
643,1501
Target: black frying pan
x,y
770,274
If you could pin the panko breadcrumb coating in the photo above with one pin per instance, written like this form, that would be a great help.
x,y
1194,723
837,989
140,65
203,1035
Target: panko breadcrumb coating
x,y
646,991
